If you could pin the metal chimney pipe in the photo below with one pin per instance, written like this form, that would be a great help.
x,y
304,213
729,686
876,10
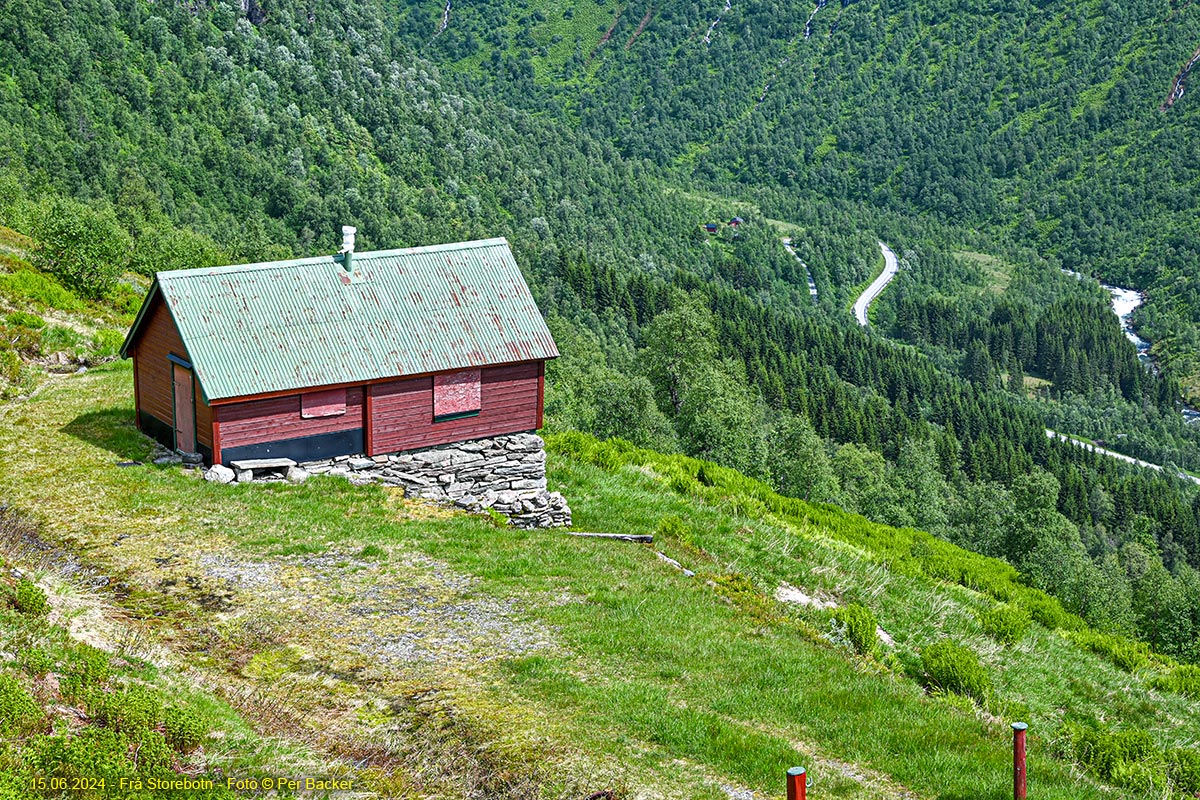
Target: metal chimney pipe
x,y
1019,729
347,250
797,784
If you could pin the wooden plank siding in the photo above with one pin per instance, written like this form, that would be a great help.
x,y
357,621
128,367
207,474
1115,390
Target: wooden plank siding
x,y
402,410
204,419
159,339
153,373
276,419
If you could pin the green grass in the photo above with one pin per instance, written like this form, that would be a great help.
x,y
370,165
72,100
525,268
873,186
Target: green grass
x,y
997,272
562,657
126,703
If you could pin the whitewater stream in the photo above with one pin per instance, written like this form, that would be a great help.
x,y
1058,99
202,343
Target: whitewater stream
x,y
1124,303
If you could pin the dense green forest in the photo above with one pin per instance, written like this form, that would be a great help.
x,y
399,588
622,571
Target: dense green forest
x,y
1027,118
989,146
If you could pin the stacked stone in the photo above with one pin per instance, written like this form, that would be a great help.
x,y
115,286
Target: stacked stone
x,y
506,474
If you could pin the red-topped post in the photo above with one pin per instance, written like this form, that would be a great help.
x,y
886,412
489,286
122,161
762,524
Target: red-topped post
x,y
1019,729
797,788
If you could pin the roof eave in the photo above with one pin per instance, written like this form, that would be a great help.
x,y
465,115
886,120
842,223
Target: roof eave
x,y
139,320
136,328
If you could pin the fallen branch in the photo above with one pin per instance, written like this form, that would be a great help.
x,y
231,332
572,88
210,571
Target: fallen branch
x,y
641,538
687,572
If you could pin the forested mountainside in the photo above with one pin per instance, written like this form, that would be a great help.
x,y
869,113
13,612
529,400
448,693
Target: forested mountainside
x,y
1066,125
137,137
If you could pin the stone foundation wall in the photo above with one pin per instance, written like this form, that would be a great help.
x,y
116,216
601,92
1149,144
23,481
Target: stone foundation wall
x,y
505,473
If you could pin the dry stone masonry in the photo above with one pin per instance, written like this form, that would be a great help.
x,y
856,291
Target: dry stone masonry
x,y
506,474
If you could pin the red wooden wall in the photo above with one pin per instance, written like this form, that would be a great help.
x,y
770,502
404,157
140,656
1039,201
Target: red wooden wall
x,y
401,411
160,338
278,418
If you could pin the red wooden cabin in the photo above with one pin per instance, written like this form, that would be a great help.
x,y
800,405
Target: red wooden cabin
x,y
355,353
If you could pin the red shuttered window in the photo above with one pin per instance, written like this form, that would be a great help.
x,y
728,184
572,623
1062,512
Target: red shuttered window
x,y
456,394
329,403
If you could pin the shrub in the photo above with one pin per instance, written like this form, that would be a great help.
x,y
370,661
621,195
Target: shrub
x,y
84,247
89,752
1047,611
153,754
571,443
1183,768
125,298
10,366
41,289
30,599
36,661
671,527
183,728
107,342
740,590
21,319
130,710
859,625
1124,653
612,455
1184,680
19,712
1111,753
681,483
57,338
21,339
1006,624
955,668
89,667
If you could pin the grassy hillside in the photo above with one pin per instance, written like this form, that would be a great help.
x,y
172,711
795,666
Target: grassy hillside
x,y
441,652
93,706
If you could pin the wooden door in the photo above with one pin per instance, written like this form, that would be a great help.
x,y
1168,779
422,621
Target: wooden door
x,y
185,409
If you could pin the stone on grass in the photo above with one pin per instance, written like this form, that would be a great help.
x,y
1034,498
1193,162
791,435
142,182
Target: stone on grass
x,y
219,473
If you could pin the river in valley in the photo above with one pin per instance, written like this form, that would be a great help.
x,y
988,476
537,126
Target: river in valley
x,y
1124,303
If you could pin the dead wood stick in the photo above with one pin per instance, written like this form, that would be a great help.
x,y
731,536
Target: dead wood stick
x,y
642,538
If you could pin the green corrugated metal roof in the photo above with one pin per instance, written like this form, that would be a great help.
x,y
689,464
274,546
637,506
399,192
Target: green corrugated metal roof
x,y
284,325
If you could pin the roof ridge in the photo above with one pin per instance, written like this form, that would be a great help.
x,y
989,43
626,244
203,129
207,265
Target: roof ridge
x,y
291,263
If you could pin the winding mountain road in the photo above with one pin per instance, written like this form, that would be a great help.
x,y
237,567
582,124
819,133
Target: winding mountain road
x,y
1113,454
812,287
890,267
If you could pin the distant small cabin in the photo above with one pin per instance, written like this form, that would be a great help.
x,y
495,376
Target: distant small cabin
x,y
355,353
711,227
735,222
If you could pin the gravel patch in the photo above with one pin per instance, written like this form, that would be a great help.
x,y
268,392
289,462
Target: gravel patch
x,y
405,610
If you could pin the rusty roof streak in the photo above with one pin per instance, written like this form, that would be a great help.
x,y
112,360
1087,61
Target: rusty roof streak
x,y
259,328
